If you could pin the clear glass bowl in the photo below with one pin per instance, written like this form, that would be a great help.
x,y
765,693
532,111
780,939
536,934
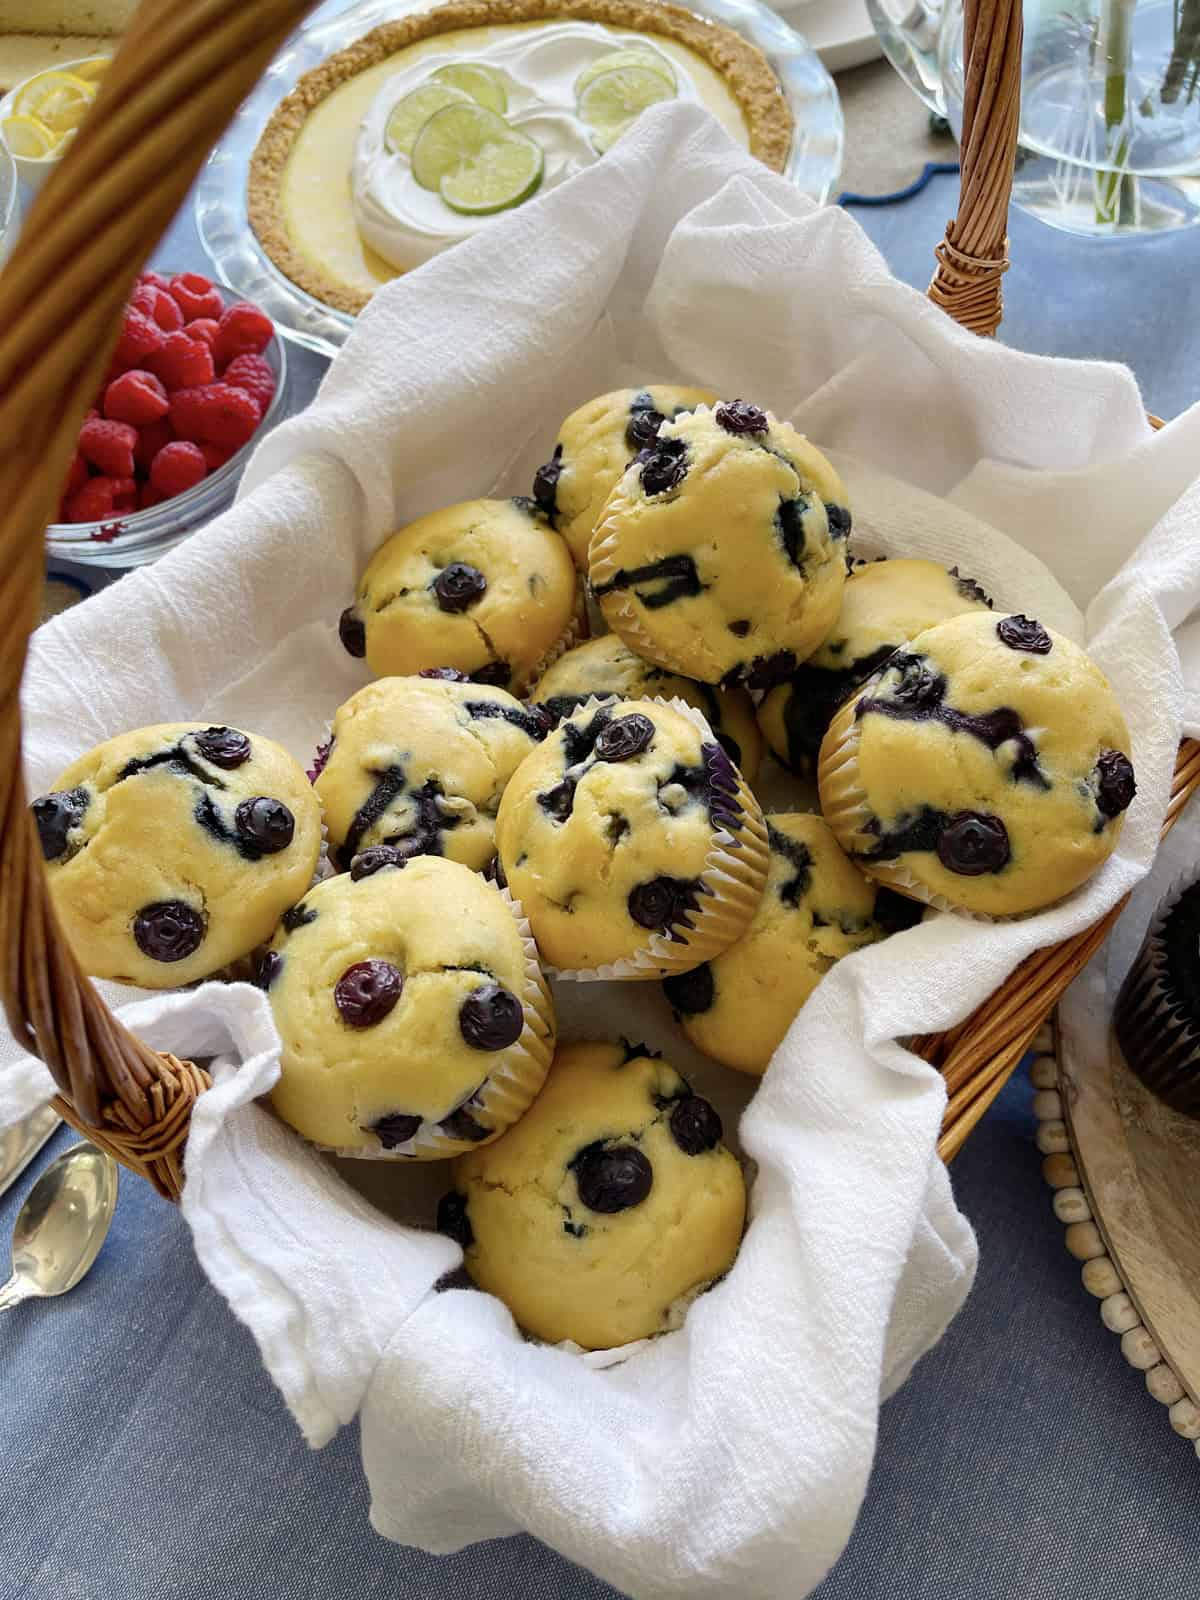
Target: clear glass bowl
x,y
10,202
137,537
1110,113
813,166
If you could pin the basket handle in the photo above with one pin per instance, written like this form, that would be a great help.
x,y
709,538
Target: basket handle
x,y
973,256
182,71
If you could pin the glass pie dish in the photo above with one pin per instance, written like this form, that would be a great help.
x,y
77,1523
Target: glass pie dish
x,y
813,163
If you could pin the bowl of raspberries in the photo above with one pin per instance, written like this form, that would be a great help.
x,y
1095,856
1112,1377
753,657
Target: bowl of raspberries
x,y
196,379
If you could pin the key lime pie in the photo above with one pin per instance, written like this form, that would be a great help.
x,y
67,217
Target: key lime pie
x,y
410,140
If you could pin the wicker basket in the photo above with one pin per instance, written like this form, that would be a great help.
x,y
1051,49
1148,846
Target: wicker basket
x,y
182,71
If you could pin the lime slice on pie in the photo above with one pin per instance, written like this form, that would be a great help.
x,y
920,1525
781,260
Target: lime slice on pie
x,y
483,84
614,100
409,115
28,137
635,56
475,161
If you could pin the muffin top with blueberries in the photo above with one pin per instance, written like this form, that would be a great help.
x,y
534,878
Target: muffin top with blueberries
x,y
985,766
173,850
413,1021
816,908
419,764
607,666
605,835
884,603
606,1207
486,586
721,552
595,445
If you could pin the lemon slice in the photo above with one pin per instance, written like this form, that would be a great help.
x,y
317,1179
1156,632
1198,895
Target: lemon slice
x,y
635,56
27,137
475,161
483,84
410,115
93,69
58,100
614,100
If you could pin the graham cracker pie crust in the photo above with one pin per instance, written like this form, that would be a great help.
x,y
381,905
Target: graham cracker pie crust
x,y
745,69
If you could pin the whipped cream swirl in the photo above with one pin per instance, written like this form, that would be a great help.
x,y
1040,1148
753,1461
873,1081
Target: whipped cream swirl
x,y
406,224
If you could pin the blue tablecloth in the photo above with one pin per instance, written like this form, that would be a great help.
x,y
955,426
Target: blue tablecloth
x,y
144,1454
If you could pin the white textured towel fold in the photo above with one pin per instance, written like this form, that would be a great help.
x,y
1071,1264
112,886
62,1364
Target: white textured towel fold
x,y
730,1457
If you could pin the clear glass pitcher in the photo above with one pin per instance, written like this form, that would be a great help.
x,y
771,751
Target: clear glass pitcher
x,y
1110,104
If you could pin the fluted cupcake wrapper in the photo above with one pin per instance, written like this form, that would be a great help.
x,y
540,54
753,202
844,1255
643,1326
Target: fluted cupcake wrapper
x,y
574,633
844,807
1160,1042
731,882
620,612
512,1084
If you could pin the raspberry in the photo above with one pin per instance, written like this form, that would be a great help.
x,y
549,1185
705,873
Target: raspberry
x,y
125,494
157,304
77,476
177,467
149,496
154,279
216,455
151,440
202,328
136,397
93,502
254,375
109,446
244,331
219,414
195,296
140,336
183,363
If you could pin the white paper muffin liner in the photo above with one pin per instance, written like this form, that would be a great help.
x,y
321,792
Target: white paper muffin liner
x,y
574,633
732,881
512,1085
844,807
620,612
1159,1038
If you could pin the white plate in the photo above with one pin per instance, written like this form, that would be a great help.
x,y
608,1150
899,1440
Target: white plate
x,y
838,30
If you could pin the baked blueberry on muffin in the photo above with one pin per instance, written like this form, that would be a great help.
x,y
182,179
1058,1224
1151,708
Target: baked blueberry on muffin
x,y
487,587
631,842
606,666
173,850
984,767
1157,1014
595,445
884,603
816,908
413,1017
609,1206
419,764
721,554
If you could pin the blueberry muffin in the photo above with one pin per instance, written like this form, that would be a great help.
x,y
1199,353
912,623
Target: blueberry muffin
x,y
721,554
419,764
487,587
632,843
173,850
884,603
817,907
606,666
984,767
608,1208
413,1018
1157,1014
595,445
